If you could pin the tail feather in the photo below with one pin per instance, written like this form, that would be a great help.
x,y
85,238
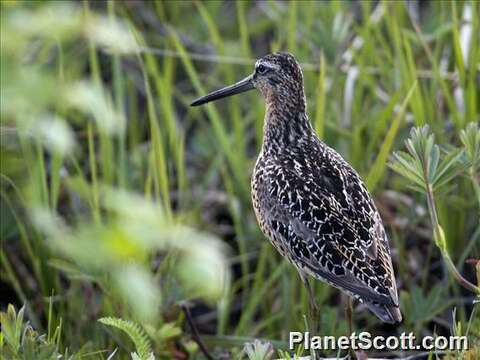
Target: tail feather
x,y
387,313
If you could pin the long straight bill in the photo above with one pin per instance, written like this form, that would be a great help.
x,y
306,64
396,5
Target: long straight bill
x,y
241,86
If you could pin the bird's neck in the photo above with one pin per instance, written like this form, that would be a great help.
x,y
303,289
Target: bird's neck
x,y
286,125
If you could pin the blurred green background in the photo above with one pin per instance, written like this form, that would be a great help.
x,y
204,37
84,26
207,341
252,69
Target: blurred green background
x,y
119,200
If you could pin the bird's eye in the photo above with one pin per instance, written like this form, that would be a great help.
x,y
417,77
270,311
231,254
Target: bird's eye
x,y
262,69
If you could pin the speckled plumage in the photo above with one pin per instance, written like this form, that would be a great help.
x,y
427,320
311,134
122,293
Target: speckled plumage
x,y
310,203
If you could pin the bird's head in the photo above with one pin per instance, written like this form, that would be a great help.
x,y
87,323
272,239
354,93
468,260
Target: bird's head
x,y
277,76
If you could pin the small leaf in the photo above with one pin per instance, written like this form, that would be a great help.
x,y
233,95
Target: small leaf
x,y
450,167
470,138
405,165
433,161
136,334
258,350
169,330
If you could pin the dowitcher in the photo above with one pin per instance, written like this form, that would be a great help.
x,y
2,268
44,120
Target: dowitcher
x,y
309,202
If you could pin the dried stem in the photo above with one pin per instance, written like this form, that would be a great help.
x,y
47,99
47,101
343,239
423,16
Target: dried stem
x,y
195,333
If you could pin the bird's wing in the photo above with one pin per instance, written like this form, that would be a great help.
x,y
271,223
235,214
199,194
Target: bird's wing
x,y
333,229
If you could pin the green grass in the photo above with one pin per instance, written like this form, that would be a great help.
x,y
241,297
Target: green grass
x,y
122,201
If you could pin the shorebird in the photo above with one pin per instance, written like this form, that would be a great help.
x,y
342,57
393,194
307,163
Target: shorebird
x,y
309,202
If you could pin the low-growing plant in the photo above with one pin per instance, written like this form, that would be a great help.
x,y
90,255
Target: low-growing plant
x,y
136,334
429,172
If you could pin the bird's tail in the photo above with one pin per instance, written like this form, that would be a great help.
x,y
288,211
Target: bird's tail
x,y
387,313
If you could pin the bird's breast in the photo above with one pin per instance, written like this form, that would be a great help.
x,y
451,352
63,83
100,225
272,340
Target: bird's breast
x,y
258,184
260,196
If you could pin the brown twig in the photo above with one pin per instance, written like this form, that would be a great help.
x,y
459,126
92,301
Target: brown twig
x,y
195,333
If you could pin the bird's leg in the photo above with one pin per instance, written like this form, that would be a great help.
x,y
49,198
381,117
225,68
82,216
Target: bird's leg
x,y
312,303
348,314
313,313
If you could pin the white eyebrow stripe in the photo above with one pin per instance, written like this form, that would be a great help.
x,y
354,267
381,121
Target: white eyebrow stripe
x,y
267,64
